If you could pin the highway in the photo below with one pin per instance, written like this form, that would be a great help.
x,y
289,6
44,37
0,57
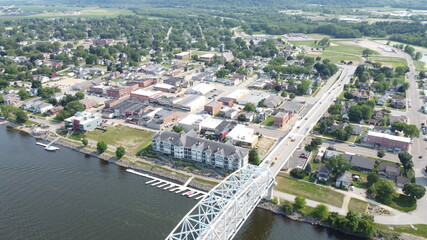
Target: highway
x,y
286,147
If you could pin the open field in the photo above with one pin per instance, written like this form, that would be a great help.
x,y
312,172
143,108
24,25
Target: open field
x,y
132,139
357,205
420,229
264,145
309,191
389,61
75,13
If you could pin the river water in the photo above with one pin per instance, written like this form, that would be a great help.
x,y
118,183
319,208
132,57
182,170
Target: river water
x,y
67,195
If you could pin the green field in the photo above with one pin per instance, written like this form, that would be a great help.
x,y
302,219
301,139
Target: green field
x,y
419,65
132,139
310,191
389,61
421,229
339,51
357,205
95,12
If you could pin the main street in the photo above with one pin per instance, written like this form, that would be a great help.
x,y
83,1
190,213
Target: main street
x,y
285,148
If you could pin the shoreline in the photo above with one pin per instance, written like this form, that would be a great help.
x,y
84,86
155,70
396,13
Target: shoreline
x,y
180,178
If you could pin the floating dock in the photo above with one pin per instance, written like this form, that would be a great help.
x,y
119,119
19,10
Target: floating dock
x,y
171,186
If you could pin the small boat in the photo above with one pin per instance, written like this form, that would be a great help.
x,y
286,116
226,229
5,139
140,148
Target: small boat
x,y
50,148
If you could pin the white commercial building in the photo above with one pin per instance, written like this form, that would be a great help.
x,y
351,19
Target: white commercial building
x,y
238,94
200,89
244,135
191,103
193,121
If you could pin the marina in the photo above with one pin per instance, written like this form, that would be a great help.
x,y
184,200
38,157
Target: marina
x,y
172,187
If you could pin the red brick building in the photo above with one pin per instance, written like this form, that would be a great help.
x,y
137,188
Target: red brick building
x,y
281,118
213,107
144,95
119,92
384,140
227,101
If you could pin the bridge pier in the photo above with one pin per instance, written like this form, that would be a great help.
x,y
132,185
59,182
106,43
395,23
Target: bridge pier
x,y
270,192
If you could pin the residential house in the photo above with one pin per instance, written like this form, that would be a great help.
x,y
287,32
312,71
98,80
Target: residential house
x,y
401,181
360,163
344,181
357,130
11,99
322,173
273,101
389,170
398,102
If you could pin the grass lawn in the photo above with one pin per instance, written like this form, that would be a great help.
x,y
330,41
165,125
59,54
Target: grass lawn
x,y
304,42
420,65
336,57
309,191
421,229
389,61
357,205
29,123
132,139
269,121
404,203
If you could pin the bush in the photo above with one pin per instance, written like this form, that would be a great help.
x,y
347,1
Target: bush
x,y
299,202
288,207
298,173
320,212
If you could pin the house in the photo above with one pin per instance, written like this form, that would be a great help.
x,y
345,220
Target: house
x,y
88,103
189,146
378,114
330,153
363,164
398,102
11,99
401,181
357,130
228,112
83,121
281,118
54,110
389,170
344,181
360,94
382,100
273,101
394,119
213,107
37,106
387,141
322,173
207,57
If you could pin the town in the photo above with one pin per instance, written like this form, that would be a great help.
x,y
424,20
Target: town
x,y
339,122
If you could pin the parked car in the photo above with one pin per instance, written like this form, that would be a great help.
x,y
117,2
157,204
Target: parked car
x,y
303,155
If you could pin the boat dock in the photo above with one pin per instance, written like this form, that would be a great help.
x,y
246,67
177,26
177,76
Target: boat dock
x,y
172,187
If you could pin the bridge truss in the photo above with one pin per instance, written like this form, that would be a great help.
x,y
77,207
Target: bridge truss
x,y
220,215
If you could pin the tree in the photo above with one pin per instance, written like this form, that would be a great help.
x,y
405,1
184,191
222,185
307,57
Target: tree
x,y
284,94
299,202
221,73
21,116
254,157
406,160
372,178
23,94
338,165
335,109
367,52
348,95
177,129
324,42
381,153
418,56
4,84
320,212
308,168
241,117
79,95
288,207
414,190
422,75
250,107
85,142
384,191
303,87
297,173
101,147
120,152
292,95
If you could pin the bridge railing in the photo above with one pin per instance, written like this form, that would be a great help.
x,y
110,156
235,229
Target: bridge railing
x,y
222,212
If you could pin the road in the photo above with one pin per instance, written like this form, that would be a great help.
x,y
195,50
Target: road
x,y
285,148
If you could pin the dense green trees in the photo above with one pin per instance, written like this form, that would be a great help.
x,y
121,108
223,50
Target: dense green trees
x,y
120,152
409,130
383,191
254,157
414,190
338,165
21,116
101,147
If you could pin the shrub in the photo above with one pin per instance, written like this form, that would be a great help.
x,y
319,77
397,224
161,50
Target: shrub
x,y
298,173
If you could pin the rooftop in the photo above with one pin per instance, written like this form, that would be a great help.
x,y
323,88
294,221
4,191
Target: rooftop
x,y
388,136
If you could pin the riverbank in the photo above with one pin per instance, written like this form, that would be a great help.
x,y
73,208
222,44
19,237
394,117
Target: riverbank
x,y
174,176
275,208
144,167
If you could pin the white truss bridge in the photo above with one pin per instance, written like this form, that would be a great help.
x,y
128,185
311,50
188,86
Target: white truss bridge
x,y
220,215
